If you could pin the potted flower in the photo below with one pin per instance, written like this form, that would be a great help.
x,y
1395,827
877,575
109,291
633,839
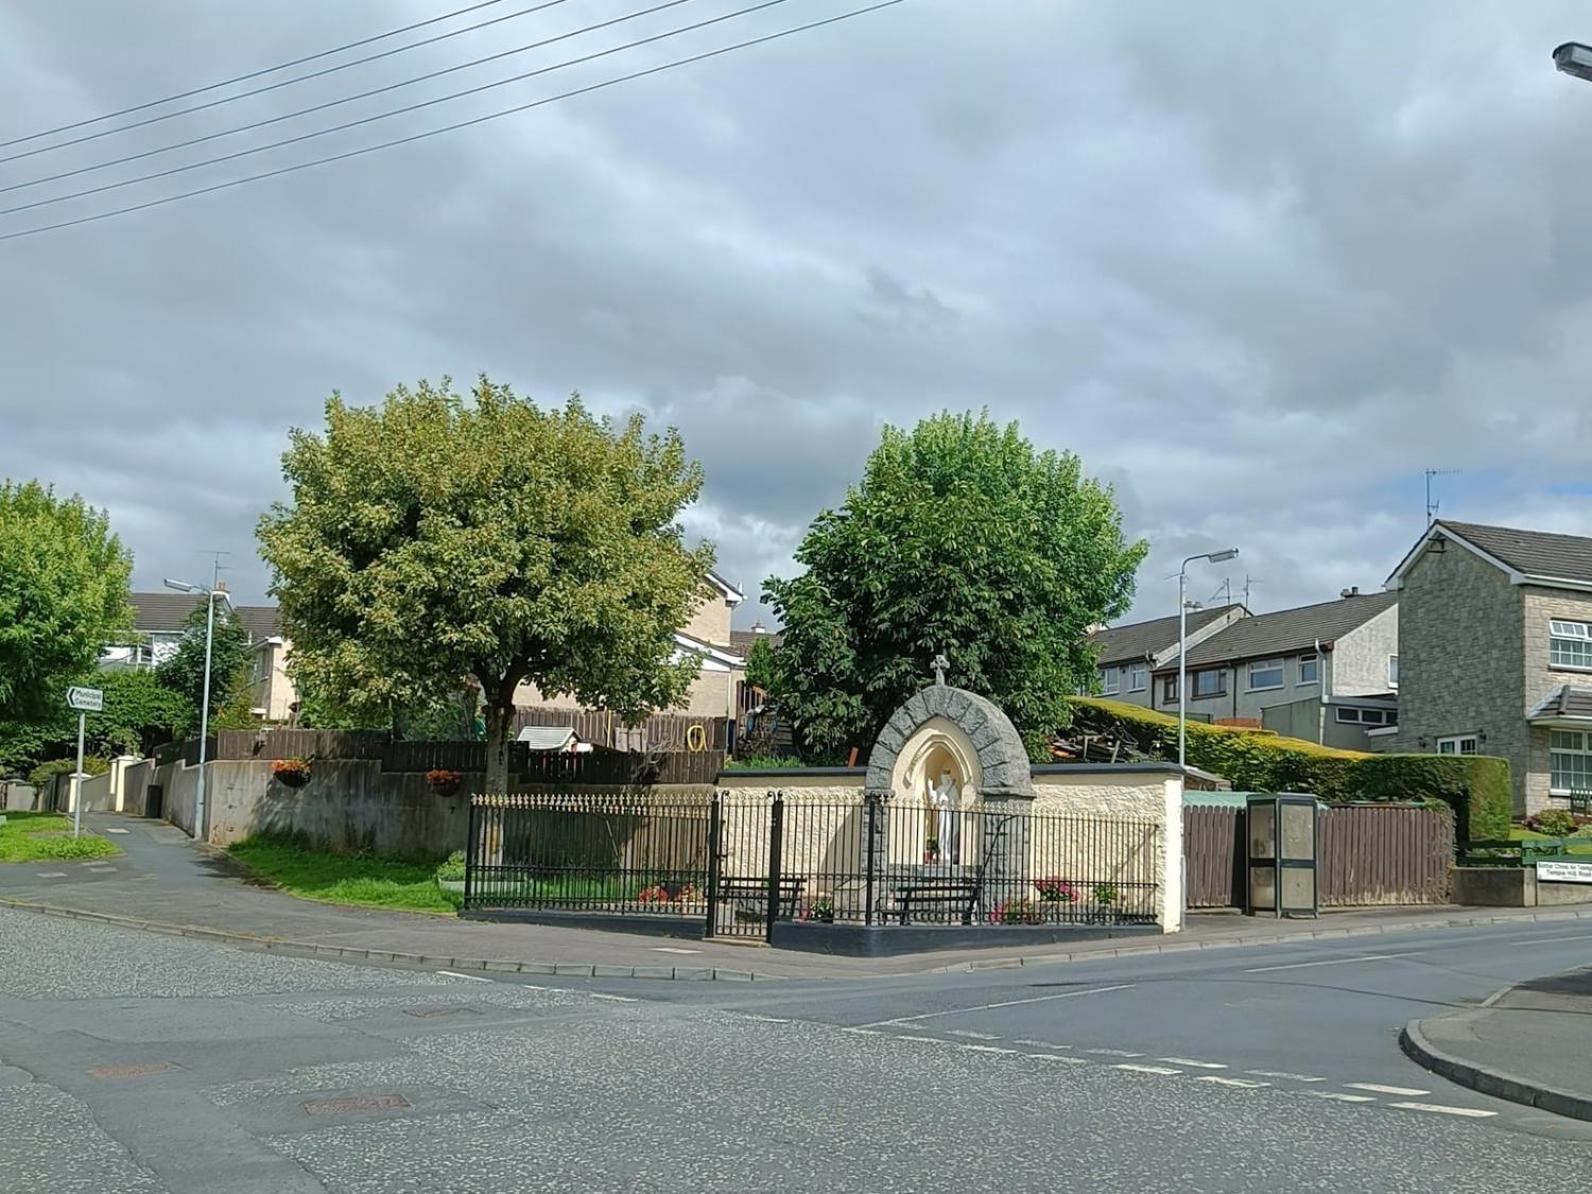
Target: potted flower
x,y
295,773
443,782
822,909
1056,896
450,872
1105,895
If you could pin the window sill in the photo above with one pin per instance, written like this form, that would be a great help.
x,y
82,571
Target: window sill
x,y
1268,688
1570,667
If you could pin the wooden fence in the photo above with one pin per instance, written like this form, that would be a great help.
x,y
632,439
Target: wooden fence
x,y
660,732
1370,854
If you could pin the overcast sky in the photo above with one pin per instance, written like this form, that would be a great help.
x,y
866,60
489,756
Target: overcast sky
x,y
1259,264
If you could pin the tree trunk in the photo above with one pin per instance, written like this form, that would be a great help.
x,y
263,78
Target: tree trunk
x,y
499,717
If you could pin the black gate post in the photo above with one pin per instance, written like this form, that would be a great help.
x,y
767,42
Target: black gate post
x,y
715,862
872,799
776,827
469,854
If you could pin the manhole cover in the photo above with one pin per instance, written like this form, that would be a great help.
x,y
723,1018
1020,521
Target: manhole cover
x,y
428,1013
386,1102
137,1069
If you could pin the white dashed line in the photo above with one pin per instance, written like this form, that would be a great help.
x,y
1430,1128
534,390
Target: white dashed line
x,y
1198,1065
1284,1074
763,1019
977,1036
1550,940
1057,1057
670,949
985,1049
52,874
474,978
1332,962
922,1040
1043,1044
1440,1109
1406,1091
1147,1069
1112,1053
118,831
1241,1083
987,1007
613,998
1340,1098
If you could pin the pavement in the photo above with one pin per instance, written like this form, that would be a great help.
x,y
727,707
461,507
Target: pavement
x,y
165,884
1530,1043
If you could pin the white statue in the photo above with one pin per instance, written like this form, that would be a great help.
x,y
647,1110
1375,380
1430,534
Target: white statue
x,y
943,797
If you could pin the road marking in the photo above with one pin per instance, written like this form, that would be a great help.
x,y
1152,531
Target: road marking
x,y
925,1040
474,978
763,1019
100,870
1146,1069
1440,1109
1286,1075
52,874
670,949
1241,1083
1334,962
985,1049
977,1036
1112,1053
118,831
1057,1057
1392,1090
1043,1044
1340,1098
613,998
1188,1061
863,1032
989,1007
1548,940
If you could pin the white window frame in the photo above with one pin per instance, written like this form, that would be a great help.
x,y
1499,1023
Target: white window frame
x,y
1348,715
1354,715
1457,741
1269,665
1582,749
1138,677
1110,681
1392,671
1563,631
1314,660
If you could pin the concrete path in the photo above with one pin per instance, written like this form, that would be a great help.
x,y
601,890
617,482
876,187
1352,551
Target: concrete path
x,y
166,884
1530,1043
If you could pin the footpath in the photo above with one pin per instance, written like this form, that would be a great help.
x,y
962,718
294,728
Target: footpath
x,y
1530,1043
166,884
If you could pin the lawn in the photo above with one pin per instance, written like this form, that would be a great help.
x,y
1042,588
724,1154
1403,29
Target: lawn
x,y
368,880
1519,833
41,837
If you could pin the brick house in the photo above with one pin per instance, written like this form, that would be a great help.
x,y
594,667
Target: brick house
x,y
1497,653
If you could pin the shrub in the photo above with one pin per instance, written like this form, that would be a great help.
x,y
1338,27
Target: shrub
x,y
1555,822
45,772
1056,891
451,867
1017,912
1476,787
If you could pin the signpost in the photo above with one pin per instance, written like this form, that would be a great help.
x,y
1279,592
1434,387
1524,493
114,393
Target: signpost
x,y
1564,872
85,701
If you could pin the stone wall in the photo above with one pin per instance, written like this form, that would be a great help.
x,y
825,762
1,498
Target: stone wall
x,y
1541,606
1461,659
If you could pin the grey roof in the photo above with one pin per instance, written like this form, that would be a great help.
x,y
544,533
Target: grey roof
x,y
741,640
1141,640
1262,636
1535,553
1565,701
166,613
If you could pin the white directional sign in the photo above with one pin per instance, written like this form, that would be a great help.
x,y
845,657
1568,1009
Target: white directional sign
x,y
86,700
1564,872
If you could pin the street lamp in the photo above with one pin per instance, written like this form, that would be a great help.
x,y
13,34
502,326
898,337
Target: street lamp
x,y
1215,557
211,594
1574,59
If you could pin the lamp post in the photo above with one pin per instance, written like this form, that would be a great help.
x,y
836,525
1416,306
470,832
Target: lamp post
x,y
211,594
1215,557
1573,58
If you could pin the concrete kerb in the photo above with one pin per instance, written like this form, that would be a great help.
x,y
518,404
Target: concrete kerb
x,y
1497,1083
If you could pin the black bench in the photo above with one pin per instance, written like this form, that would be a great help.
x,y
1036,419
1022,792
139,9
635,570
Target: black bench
x,y
961,889
752,887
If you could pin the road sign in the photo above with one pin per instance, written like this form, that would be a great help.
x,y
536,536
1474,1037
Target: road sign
x,y
85,700
1564,872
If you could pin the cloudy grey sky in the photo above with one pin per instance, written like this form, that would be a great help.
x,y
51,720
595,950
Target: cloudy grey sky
x,y
1260,264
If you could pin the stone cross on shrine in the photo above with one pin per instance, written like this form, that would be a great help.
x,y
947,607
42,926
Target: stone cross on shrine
x,y
940,664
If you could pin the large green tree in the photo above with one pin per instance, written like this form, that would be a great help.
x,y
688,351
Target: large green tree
x,y
63,595
184,671
960,539
140,713
437,538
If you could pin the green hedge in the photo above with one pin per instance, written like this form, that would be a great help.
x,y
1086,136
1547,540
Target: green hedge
x,y
1476,787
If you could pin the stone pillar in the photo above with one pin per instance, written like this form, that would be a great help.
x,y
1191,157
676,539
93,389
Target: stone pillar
x,y
1170,911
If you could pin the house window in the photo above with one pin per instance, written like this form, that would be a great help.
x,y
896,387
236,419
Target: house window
x,y
1392,671
1458,744
1265,673
1169,689
1570,645
1309,668
1369,717
1570,761
1210,683
1110,680
1138,677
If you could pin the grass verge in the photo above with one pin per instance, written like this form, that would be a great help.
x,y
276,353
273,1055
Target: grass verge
x,y
41,837
365,880
1519,833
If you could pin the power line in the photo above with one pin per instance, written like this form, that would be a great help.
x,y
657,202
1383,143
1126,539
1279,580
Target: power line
x,y
269,70
387,115
449,128
228,99
258,124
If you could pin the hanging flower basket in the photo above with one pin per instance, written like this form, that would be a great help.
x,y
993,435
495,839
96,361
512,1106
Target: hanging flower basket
x,y
443,782
295,773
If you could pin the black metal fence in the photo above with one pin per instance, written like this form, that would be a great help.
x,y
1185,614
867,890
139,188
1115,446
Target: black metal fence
x,y
742,861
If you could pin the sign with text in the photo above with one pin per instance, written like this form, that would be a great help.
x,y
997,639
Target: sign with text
x,y
1564,872
86,700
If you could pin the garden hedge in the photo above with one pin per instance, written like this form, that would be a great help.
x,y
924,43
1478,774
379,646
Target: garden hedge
x,y
1476,787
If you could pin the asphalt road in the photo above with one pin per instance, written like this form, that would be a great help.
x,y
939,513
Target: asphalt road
x,y
134,1062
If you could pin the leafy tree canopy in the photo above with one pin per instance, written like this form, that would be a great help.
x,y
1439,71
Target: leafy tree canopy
x,y
140,713
436,538
184,672
960,539
760,664
63,595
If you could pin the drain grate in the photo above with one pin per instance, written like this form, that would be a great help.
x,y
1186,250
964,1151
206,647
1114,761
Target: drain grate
x,y
343,1106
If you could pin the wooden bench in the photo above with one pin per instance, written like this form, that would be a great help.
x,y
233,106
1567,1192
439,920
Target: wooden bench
x,y
753,887
963,890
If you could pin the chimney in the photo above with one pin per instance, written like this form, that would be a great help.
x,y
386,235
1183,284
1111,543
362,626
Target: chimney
x,y
759,628
1352,591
